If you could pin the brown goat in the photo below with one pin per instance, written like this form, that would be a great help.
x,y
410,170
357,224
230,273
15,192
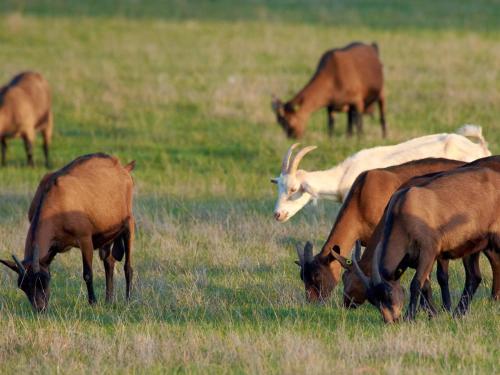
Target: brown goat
x,y
346,79
453,215
25,108
357,219
355,289
86,204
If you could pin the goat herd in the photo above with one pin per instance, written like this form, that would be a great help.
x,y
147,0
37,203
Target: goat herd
x,y
432,198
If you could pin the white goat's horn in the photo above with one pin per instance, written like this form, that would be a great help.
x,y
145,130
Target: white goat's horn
x,y
286,159
296,160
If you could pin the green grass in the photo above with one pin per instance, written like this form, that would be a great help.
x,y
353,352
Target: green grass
x,y
184,89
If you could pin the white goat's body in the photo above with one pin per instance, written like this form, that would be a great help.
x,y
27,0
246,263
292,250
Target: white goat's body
x,y
335,182
449,146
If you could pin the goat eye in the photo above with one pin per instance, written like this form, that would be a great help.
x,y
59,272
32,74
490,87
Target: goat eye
x,y
293,190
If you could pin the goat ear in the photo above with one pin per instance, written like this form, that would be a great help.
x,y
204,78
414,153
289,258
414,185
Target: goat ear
x,y
10,264
274,180
309,189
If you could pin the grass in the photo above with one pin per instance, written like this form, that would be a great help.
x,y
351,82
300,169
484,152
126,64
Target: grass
x,y
184,89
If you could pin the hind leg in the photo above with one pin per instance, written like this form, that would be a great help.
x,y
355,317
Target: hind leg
x,y
358,117
129,240
28,139
381,107
3,141
47,138
331,120
494,258
109,268
442,277
472,281
351,118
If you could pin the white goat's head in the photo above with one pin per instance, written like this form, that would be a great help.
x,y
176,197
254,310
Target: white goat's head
x,y
294,192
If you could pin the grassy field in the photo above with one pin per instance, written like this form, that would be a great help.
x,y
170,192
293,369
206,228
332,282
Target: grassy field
x,y
184,88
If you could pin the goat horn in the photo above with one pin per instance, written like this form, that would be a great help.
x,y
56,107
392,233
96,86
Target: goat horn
x,y
286,158
19,264
377,278
300,253
357,268
308,252
35,263
296,160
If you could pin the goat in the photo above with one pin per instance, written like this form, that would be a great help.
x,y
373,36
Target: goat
x,y
86,204
25,108
354,288
346,79
452,215
297,187
357,218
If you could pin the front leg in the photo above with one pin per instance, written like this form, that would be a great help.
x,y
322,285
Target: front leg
x,y
87,249
426,301
424,269
331,120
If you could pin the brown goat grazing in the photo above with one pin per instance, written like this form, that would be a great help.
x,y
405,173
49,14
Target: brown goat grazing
x,y
25,108
355,288
357,219
346,79
86,204
453,215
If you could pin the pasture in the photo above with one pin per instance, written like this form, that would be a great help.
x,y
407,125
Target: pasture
x,y
184,89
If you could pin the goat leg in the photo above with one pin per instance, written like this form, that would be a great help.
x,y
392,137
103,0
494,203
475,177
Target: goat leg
x,y
494,259
426,301
472,281
3,140
331,120
442,277
87,249
129,239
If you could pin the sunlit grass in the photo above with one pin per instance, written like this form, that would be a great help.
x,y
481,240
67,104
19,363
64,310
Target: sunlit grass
x,y
188,97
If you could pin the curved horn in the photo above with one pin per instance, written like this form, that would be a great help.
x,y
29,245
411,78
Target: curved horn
x,y
286,159
357,268
35,263
20,266
308,252
377,278
296,160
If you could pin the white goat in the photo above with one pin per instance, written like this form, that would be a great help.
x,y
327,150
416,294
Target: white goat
x,y
297,187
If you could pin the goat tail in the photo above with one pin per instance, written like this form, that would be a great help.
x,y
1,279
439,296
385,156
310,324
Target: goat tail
x,y
375,45
474,131
130,166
